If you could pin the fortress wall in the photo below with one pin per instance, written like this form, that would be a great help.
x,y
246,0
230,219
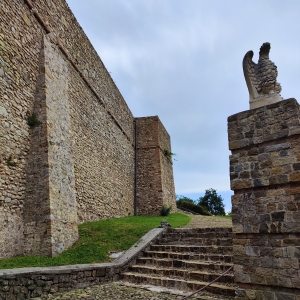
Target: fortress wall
x,y
103,157
148,175
169,196
64,25
20,44
101,127
79,163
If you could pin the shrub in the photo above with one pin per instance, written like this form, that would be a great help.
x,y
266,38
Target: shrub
x,y
184,198
165,211
193,207
169,154
10,161
32,120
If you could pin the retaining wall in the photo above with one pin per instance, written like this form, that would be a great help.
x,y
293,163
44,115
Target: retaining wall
x,y
27,283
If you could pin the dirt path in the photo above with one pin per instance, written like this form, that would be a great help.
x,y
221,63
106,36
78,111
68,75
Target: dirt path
x,y
206,221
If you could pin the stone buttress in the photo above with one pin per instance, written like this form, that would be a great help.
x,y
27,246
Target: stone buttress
x,y
50,214
265,178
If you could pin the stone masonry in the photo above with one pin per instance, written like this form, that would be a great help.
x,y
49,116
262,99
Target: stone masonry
x,y
78,162
155,182
265,177
51,210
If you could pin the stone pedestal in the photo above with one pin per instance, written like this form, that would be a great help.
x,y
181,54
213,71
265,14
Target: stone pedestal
x,y
265,178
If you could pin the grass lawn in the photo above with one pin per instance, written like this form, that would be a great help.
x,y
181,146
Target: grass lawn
x,y
96,239
225,217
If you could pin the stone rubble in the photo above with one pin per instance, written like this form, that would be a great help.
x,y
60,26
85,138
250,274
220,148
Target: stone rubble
x,y
117,291
110,291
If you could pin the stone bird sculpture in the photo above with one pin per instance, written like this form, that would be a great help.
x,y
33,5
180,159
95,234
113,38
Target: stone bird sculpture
x,y
261,78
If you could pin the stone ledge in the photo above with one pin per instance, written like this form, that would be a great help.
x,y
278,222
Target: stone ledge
x,y
37,281
119,262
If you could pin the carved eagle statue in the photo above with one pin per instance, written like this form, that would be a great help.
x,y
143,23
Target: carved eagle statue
x,y
261,77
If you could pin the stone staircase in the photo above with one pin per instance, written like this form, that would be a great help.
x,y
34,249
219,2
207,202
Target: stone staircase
x,y
186,260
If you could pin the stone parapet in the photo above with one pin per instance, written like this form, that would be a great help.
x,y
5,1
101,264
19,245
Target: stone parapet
x,y
265,177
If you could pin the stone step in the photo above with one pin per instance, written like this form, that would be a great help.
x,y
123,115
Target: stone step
x,y
213,266
174,235
202,295
192,248
199,230
197,241
185,274
190,285
190,256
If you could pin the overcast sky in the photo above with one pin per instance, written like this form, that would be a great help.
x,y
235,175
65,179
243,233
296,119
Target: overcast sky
x,y
182,60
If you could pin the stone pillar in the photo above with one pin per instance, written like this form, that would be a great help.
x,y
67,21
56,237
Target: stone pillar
x,y
154,170
265,178
50,214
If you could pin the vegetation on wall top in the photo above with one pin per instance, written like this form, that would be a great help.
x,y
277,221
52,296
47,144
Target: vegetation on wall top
x,y
169,154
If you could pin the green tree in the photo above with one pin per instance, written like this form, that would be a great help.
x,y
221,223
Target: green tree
x,y
212,202
184,198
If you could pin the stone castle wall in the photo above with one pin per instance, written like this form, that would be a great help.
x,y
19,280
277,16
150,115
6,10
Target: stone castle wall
x,y
265,177
168,188
19,59
78,164
155,183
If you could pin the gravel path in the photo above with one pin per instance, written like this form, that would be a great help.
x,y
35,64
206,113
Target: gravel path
x,y
111,291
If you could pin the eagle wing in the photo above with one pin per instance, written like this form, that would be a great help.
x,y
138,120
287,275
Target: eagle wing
x,y
249,68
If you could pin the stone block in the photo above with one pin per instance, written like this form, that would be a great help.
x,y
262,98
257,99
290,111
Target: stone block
x,y
252,251
285,296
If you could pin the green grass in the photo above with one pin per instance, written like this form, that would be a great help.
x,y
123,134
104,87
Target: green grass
x,y
97,239
225,217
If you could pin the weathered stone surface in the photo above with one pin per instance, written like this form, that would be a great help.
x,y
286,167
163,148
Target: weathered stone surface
x,y
280,120
274,163
50,212
265,207
155,182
